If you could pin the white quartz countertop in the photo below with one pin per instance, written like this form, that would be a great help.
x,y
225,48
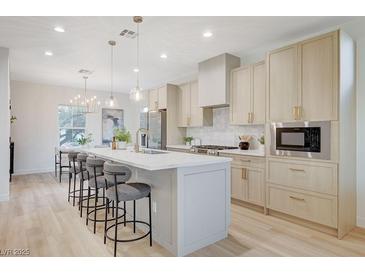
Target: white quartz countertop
x,y
187,147
167,160
253,152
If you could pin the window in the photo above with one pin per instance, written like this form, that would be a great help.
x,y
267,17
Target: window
x,y
71,123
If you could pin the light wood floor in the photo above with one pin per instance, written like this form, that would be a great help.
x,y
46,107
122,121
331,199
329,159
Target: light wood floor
x,y
39,217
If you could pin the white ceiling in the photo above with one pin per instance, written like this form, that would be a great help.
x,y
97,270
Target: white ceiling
x,y
84,45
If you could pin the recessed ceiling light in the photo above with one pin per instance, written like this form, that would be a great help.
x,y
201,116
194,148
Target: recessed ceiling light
x,y
59,29
136,70
163,56
48,53
207,34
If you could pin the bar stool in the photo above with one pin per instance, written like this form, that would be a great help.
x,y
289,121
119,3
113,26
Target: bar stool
x,y
97,181
115,172
58,162
72,172
83,175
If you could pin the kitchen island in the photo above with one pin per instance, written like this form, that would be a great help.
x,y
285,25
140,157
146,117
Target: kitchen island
x,y
190,195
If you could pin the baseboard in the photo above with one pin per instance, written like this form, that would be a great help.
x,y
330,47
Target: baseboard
x,y
32,171
4,197
360,222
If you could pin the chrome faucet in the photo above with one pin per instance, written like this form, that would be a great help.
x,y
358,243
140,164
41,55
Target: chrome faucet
x,y
144,130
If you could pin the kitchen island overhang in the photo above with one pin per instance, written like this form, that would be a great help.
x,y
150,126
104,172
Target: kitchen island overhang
x,y
191,196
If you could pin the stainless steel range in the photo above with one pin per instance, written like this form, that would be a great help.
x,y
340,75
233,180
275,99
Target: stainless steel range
x,y
210,149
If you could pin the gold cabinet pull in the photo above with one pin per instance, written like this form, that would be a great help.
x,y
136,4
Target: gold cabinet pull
x,y
299,113
188,120
249,117
297,198
252,117
297,169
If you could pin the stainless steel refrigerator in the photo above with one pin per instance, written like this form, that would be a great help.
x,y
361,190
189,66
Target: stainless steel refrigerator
x,y
155,122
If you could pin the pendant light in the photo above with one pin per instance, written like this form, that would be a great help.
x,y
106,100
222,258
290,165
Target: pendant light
x,y
111,102
83,103
135,93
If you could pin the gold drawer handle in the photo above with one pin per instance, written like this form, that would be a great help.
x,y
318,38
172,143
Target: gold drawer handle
x,y
246,161
244,174
297,169
296,198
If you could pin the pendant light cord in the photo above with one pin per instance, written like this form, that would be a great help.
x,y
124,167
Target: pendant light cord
x,y
138,55
111,71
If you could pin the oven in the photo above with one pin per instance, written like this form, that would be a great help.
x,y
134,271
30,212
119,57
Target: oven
x,y
301,139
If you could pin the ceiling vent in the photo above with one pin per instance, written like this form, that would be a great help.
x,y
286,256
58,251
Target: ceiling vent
x,y
128,34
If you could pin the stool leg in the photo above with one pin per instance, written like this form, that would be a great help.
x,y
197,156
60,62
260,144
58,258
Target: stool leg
x,y
113,209
60,172
81,196
96,203
150,217
116,229
69,186
87,205
55,165
134,216
106,219
125,215
73,201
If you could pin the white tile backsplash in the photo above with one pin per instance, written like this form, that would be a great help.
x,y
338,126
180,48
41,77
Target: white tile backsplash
x,y
222,133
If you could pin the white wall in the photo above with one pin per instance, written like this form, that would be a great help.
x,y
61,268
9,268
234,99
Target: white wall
x,y
4,124
35,132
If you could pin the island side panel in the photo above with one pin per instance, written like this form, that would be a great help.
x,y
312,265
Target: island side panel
x,y
203,206
164,197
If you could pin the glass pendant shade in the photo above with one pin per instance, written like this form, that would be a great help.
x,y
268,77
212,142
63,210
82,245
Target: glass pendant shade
x,y
135,94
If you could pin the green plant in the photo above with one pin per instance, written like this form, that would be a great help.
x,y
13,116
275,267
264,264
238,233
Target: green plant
x,y
188,139
122,135
261,140
84,140
12,119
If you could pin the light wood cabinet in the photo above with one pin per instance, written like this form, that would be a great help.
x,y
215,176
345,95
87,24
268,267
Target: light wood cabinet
x,y
303,80
282,83
189,112
319,70
153,99
162,97
248,94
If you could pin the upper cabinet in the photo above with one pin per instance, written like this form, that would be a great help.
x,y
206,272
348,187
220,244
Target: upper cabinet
x,y
247,96
303,80
214,80
189,112
157,98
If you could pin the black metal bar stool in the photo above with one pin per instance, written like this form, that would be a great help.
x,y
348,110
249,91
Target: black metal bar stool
x,y
97,181
59,163
115,173
83,175
72,172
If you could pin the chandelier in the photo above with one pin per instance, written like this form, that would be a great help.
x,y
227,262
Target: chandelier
x,y
84,103
136,93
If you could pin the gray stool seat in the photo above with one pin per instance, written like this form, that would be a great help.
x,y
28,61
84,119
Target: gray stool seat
x,y
129,192
76,169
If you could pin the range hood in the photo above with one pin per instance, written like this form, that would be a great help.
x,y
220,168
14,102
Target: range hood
x,y
214,80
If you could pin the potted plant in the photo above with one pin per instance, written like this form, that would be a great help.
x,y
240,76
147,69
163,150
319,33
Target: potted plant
x,y
188,140
84,140
123,137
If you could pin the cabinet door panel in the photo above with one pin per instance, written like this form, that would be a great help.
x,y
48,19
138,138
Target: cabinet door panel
x,y
153,99
240,95
259,92
184,105
255,186
319,87
283,83
196,113
237,185
162,97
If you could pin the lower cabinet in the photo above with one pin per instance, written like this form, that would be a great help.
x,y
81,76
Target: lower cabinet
x,y
248,183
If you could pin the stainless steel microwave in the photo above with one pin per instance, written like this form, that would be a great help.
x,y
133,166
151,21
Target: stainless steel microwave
x,y
301,139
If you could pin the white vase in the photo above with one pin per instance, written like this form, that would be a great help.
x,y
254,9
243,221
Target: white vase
x,y
122,145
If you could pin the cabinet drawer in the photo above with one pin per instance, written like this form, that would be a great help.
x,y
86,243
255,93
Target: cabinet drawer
x,y
245,160
319,208
318,177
